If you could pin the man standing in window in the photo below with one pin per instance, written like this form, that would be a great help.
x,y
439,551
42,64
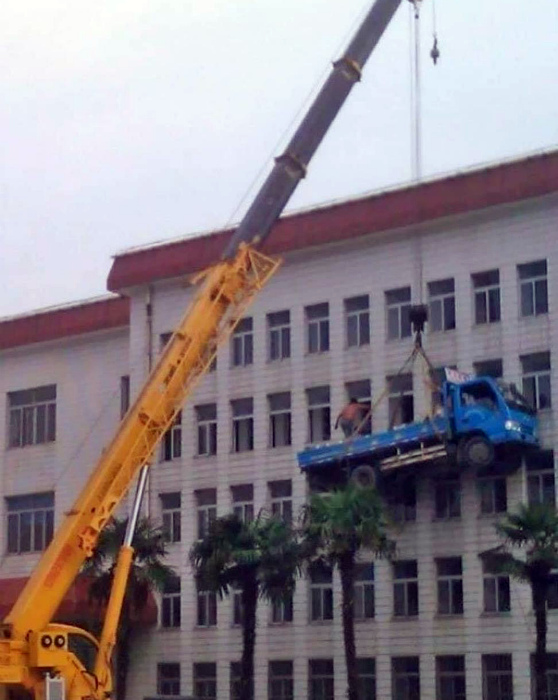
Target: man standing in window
x,y
350,417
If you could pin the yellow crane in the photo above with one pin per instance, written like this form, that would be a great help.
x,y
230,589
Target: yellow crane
x,y
40,655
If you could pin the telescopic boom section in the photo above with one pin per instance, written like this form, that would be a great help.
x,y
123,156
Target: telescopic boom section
x,y
291,166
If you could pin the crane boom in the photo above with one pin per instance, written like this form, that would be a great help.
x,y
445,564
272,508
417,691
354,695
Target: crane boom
x,y
225,292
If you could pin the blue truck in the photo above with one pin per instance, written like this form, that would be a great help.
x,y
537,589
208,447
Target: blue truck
x,y
478,420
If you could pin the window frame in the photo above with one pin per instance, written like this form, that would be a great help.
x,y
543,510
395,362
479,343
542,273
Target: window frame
x,y
409,584
321,684
22,516
488,691
445,299
529,284
242,429
317,324
536,376
204,686
496,587
206,608
398,309
206,510
321,593
486,290
364,593
206,429
171,681
279,335
242,499
280,420
405,675
32,416
171,444
242,343
171,604
171,516
451,674
450,583
281,499
497,502
447,498
324,407
359,317
284,680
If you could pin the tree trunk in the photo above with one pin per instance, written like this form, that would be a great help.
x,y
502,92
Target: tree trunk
x,y
249,606
122,662
347,571
539,590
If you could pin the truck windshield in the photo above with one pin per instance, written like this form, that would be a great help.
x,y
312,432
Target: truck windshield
x,y
514,399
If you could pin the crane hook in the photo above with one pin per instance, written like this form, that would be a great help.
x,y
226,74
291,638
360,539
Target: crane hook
x,y
435,51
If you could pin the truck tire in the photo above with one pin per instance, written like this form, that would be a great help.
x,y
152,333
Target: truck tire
x,y
476,452
363,476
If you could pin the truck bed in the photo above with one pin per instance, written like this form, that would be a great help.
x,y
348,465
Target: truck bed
x,y
376,447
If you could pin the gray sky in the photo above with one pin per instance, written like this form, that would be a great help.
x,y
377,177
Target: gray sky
x,y
130,121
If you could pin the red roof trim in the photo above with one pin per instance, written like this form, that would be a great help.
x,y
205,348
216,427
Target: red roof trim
x,y
60,323
501,184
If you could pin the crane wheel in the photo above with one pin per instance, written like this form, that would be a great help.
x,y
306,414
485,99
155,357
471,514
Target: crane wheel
x,y
363,476
476,452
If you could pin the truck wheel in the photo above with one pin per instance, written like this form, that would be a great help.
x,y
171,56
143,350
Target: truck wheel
x,y
363,476
476,452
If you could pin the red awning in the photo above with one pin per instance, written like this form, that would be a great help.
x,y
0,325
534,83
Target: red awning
x,y
75,607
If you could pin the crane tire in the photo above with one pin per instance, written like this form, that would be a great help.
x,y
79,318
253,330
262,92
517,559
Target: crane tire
x,y
476,452
363,476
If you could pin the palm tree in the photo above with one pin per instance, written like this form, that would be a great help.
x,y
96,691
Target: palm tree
x,y
534,530
336,525
261,559
148,573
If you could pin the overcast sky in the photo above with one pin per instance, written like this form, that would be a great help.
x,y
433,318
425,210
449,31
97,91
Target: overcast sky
x,y
125,122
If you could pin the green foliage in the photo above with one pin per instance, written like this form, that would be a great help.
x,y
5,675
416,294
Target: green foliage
x,y
534,531
343,521
148,571
234,551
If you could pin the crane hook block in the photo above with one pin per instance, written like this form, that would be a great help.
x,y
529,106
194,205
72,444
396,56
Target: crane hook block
x,y
435,51
418,316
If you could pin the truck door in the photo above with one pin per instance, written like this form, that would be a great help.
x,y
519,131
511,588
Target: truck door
x,y
477,409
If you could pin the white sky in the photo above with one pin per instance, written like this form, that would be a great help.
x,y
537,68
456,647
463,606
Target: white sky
x,y
126,122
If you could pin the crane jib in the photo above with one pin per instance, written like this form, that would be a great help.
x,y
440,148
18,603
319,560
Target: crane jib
x,y
291,166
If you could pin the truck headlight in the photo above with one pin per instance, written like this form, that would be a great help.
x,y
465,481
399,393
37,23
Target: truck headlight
x,y
512,425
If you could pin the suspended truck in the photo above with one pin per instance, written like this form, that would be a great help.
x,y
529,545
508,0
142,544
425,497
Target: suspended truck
x,y
41,656
479,420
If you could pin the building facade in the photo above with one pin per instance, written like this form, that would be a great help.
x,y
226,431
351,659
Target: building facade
x,y
481,249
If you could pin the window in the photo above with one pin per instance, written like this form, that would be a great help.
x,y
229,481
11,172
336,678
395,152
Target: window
x,y
405,588
398,307
206,416
441,303
405,678
317,328
493,495
366,679
551,676
206,505
486,287
402,500
172,442
170,603
235,676
489,368
242,344
124,395
536,379
205,680
496,591
280,493
447,497
361,391
207,607
279,419
319,414
450,586
243,501
30,522
243,425
497,678
540,477
279,334
357,314
321,592
281,681
400,399
450,678
168,679
282,610
320,679
171,515
364,591
32,416
533,285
